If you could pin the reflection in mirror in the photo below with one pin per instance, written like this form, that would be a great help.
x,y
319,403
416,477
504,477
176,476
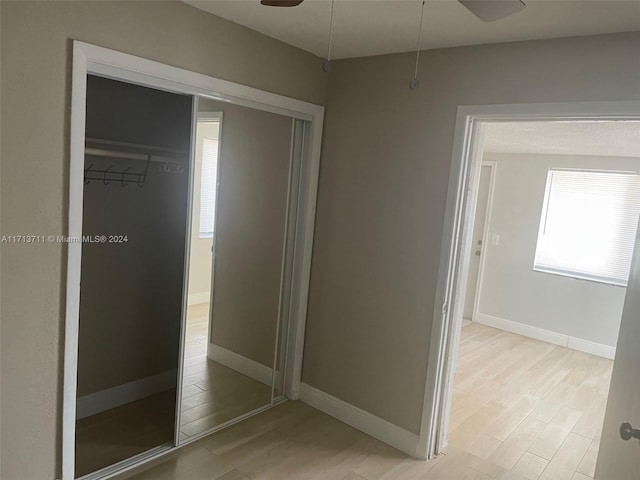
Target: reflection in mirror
x,y
135,196
241,186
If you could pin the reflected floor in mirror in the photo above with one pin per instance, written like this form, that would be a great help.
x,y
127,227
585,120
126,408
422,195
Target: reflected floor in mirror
x,y
123,432
212,394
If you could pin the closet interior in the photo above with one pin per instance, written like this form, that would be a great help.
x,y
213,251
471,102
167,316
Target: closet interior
x,y
189,208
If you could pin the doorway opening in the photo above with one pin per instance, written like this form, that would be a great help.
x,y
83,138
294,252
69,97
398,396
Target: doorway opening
x,y
135,190
529,351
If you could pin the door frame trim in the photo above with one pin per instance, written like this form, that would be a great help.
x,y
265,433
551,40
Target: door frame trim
x,y
456,242
92,59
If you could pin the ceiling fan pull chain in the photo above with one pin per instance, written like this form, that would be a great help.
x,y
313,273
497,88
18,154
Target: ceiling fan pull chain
x,y
415,83
326,66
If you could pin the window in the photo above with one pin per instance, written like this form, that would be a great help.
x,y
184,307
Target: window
x,y
208,187
588,225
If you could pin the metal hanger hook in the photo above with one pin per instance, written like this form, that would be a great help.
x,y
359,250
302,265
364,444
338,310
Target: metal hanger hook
x,y
104,177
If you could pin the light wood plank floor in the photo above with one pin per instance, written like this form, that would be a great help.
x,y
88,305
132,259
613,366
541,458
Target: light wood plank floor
x,y
531,410
212,393
295,442
530,407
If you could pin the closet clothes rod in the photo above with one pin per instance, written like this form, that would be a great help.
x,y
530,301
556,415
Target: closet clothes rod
x,y
107,176
124,177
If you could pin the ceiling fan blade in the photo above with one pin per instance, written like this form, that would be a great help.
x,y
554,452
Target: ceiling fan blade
x,y
491,10
281,3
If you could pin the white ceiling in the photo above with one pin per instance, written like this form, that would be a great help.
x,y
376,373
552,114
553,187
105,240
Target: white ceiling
x,y
612,139
373,27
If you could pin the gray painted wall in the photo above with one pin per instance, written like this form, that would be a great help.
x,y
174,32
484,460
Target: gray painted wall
x,y
383,184
511,289
36,92
252,204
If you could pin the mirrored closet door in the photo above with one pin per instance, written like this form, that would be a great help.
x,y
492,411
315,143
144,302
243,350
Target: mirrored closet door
x,y
245,180
190,211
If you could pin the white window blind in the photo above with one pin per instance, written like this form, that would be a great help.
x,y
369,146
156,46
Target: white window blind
x,y
588,225
208,187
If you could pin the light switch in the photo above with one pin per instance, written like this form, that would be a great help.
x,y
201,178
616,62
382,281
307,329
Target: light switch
x,y
495,239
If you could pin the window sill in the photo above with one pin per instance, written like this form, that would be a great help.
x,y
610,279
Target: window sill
x,y
580,276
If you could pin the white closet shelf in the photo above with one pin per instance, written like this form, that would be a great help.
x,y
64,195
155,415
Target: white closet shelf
x,y
133,151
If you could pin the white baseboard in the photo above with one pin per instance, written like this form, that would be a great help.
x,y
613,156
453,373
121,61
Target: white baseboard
x,y
573,343
196,298
593,348
122,394
244,365
359,419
